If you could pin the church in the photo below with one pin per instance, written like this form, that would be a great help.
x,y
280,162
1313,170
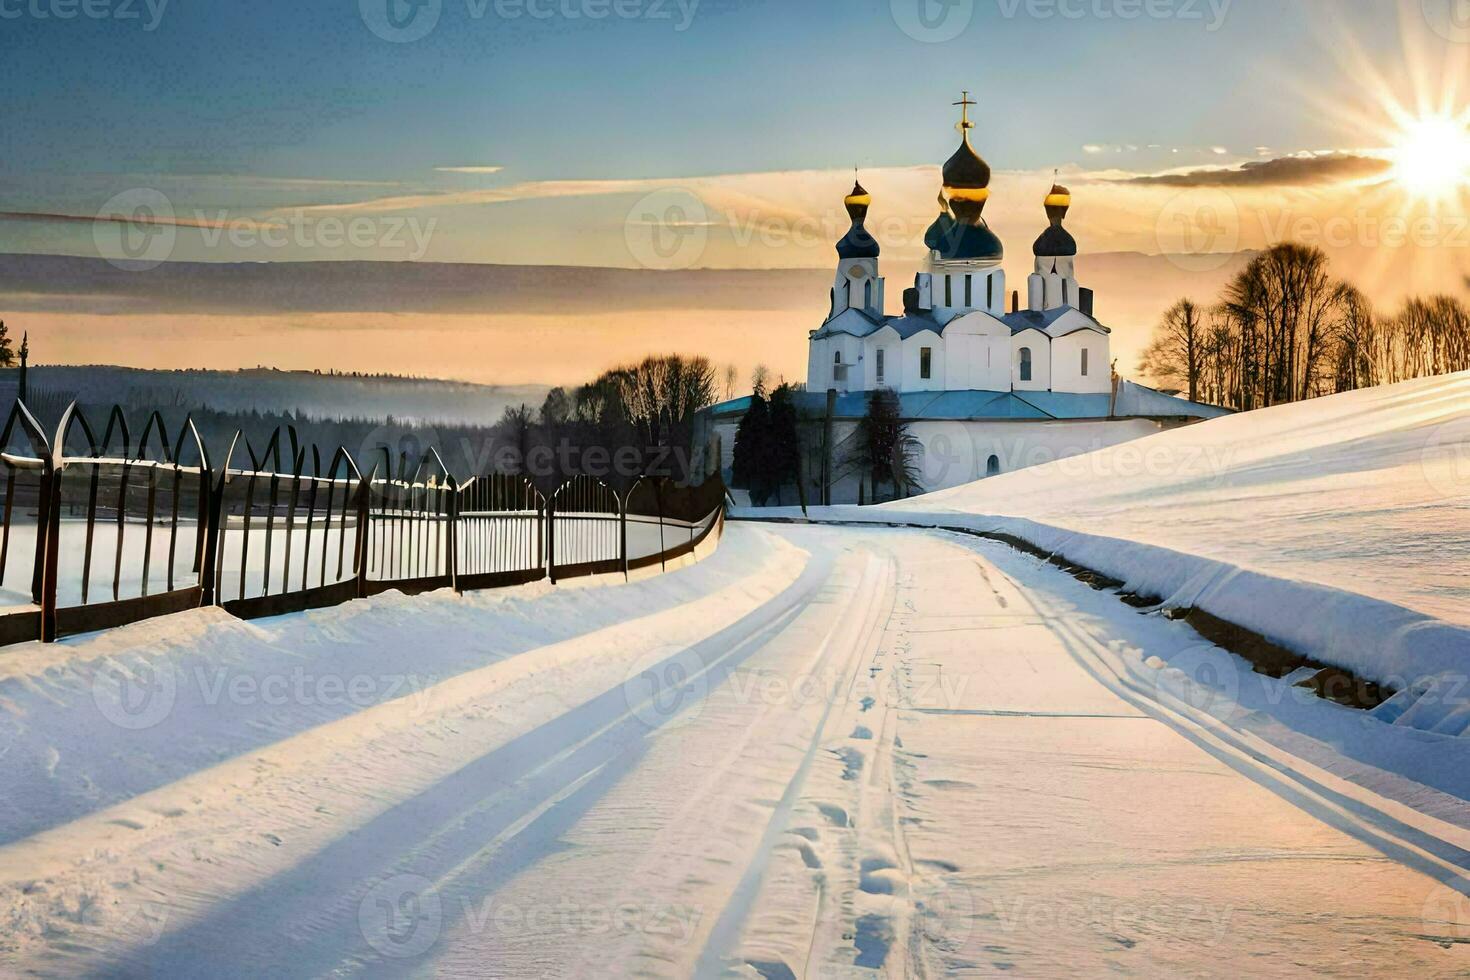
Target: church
x,y
989,379
955,332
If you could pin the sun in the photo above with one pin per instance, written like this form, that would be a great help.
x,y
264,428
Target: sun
x,y
1431,156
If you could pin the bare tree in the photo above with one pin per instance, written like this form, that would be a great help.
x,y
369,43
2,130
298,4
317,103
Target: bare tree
x,y
1178,348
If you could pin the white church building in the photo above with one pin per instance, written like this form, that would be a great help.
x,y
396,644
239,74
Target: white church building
x,y
989,379
955,333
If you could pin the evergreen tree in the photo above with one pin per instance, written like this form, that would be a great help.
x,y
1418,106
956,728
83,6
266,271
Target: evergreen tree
x,y
785,452
7,351
885,450
752,466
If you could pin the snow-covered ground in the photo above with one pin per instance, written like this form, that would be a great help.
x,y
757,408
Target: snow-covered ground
x,y
1339,528
819,752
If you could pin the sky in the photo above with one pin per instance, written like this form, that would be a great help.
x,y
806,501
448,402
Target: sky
x,y
677,134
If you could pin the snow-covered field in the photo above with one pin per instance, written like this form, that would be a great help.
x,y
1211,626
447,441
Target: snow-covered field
x,y
1339,527
819,752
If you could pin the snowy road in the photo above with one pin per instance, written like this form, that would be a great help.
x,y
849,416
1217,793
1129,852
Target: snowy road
x,y
823,752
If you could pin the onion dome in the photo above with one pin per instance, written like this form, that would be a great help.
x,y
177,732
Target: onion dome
x,y
943,226
967,185
1056,241
858,243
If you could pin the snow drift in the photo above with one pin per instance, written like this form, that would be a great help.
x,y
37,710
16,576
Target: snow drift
x,y
1339,528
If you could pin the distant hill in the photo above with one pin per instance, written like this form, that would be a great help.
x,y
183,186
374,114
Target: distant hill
x,y
303,393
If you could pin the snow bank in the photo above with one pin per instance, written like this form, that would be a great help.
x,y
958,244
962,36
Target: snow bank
x,y
1339,528
127,755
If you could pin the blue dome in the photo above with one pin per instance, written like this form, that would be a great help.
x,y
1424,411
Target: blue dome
x,y
857,243
957,241
1055,242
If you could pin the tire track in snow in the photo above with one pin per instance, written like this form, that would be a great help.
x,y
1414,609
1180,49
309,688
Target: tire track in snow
x,y
304,922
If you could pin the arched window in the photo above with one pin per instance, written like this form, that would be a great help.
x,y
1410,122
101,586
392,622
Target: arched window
x,y
992,468
868,295
1025,364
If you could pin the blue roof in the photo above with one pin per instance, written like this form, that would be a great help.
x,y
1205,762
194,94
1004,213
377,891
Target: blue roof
x,y
1134,401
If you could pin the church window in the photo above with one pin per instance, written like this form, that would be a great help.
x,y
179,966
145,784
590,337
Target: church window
x,y
868,295
926,363
992,466
969,291
949,290
1025,364
990,292
881,364
1085,352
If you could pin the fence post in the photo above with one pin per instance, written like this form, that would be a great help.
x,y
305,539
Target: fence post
x,y
663,548
551,539
213,522
623,531
451,546
360,549
48,527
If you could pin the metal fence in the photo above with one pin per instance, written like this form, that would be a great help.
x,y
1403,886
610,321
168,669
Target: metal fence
x,y
99,533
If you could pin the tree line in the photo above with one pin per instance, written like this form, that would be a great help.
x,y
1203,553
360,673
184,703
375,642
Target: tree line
x,y
1285,329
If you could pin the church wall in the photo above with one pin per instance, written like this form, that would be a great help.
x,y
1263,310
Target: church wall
x,y
818,361
886,340
913,348
1040,346
1066,367
978,349
956,453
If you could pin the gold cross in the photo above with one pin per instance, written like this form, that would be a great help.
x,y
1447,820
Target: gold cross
x,y
964,103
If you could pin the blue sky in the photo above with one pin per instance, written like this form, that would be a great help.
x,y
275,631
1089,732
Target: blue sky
x,y
294,89
276,113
